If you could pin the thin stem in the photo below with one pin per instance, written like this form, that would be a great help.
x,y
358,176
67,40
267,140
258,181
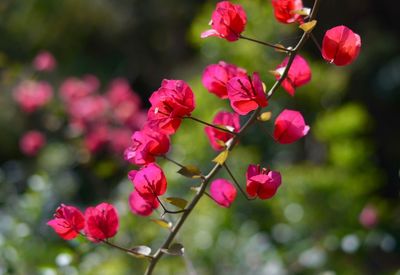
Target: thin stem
x,y
266,44
210,124
314,39
237,183
202,190
173,161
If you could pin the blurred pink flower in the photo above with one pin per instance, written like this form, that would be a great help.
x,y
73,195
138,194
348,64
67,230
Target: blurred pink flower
x,y
44,61
369,216
31,142
31,95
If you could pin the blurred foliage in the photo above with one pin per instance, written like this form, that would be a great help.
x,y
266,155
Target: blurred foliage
x,y
349,160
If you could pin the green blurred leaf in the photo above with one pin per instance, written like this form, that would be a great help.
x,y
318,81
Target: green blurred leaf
x,y
178,202
190,171
162,223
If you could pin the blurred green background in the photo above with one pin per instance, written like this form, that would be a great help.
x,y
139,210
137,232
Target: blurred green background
x,y
348,163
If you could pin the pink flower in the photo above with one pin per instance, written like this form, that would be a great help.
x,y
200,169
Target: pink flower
x,y
74,88
246,94
299,74
219,138
289,127
44,61
284,10
227,21
67,222
142,206
88,110
216,76
169,104
262,182
31,143
368,216
101,222
31,95
124,101
149,180
96,138
119,139
341,46
223,192
146,145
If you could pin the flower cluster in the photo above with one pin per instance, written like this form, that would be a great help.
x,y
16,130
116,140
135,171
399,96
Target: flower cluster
x,y
98,223
103,120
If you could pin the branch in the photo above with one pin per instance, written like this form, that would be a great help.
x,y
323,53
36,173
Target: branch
x,y
202,189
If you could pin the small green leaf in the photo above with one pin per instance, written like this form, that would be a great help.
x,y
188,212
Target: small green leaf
x,y
178,202
221,158
190,171
265,116
309,26
175,249
162,223
140,251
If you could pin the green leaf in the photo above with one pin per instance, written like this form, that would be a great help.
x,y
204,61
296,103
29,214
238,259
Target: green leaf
x,y
221,158
190,171
178,202
309,26
162,223
175,249
140,251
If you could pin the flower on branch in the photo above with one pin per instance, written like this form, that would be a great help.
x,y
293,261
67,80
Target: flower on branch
x,y
67,222
146,145
285,11
262,182
228,21
142,205
299,74
246,93
149,180
341,46
101,222
217,137
289,127
169,104
216,76
223,192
